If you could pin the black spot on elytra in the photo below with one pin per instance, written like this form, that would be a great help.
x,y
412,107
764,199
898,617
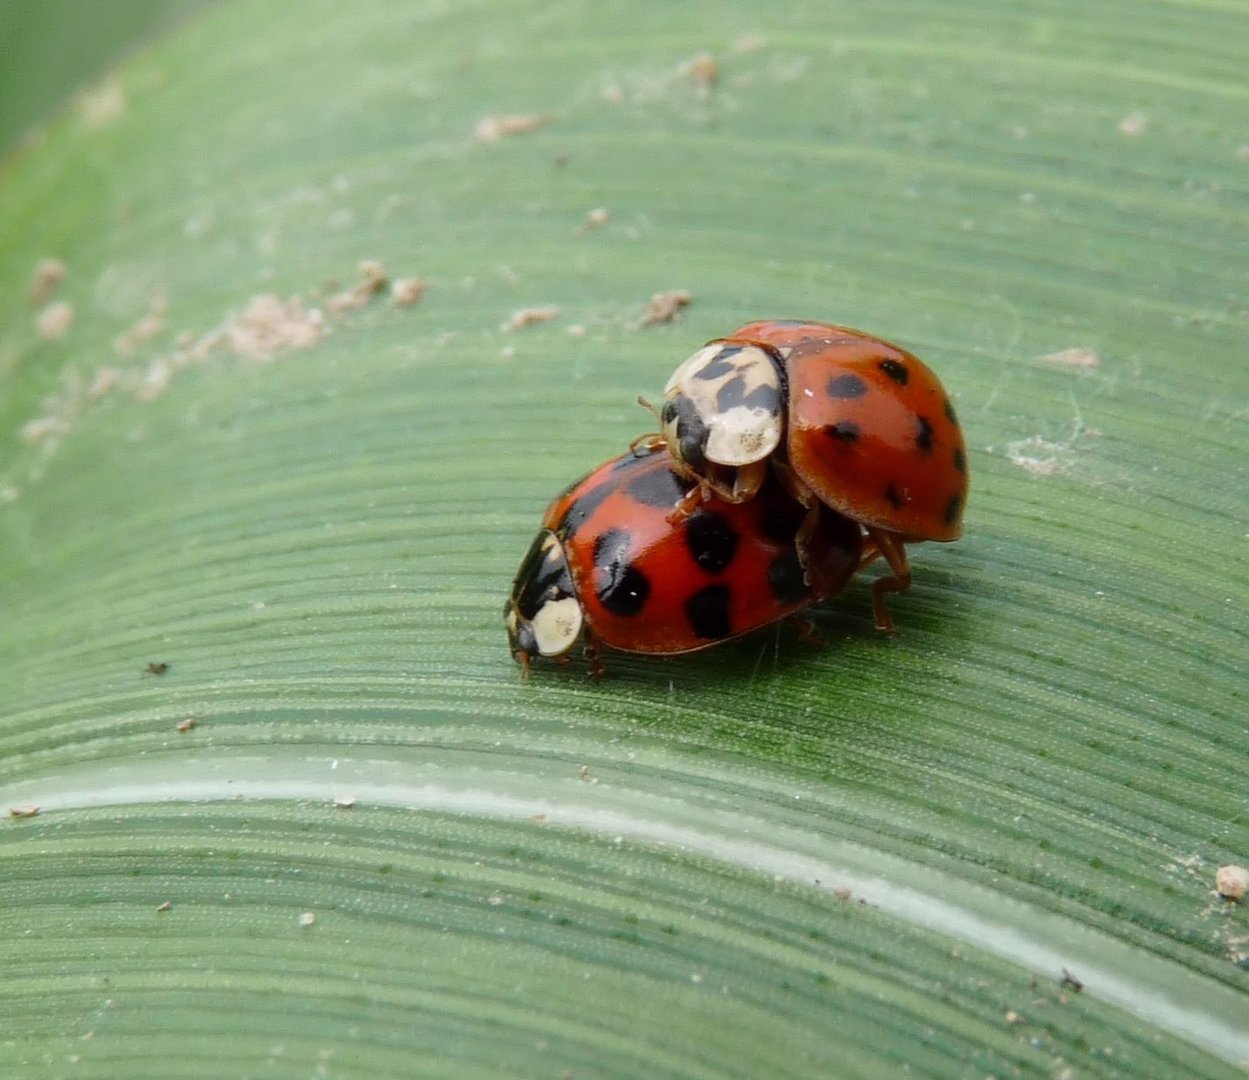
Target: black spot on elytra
x,y
691,432
846,386
896,370
950,414
711,540
893,498
923,437
960,460
785,577
708,612
781,523
720,364
659,487
732,395
952,509
620,586
582,509
846,431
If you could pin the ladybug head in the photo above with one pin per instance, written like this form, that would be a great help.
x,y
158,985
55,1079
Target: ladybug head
x,y
542,616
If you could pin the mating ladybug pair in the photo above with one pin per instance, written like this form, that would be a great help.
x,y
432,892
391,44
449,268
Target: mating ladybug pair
x,y
790,455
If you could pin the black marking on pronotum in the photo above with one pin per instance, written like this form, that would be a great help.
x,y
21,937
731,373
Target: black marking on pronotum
x,y
952,509
950,414
732,394
711,540
786,578
658,487
620,586
848,385
691,432
720,364
923,437
708,612
893,498
543,576
960,460
896,370
846,431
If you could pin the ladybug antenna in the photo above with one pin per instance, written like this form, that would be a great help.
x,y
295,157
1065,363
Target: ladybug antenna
x,y
651,408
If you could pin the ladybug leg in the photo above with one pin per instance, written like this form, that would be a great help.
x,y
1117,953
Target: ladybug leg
x,y
806,630
522,658
692,500
647,444
652,441
803,495
894,552
869,554
748,480
591,654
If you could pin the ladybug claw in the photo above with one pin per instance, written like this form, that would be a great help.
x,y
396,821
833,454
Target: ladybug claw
x,y
806,631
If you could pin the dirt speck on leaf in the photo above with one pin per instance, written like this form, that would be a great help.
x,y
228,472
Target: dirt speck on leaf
x,y
102,382
372,280
270,326
144,328
665,306
1231,882
703,72
1081,356
1133,125
24,811
529,316
595,219
405,291
49,273
54,321
748,43
493,128
1049,457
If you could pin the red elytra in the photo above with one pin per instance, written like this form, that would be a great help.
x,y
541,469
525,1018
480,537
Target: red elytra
x,y
646,581
848,420
871,430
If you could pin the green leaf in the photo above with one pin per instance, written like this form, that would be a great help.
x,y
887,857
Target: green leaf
x,y
377,851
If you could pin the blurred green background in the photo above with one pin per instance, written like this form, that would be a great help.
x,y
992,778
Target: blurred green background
x,y
50,49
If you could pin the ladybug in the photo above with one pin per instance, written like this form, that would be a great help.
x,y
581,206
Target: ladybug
x,y
612,566
848,420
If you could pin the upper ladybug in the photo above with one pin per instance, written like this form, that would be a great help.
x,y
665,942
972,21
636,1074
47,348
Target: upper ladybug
x,y
847,419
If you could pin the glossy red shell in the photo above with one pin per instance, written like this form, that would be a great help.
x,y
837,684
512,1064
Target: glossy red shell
x,y
870,428
650,585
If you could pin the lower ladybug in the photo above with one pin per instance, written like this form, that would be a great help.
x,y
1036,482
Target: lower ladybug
x,y
612,566
850,422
